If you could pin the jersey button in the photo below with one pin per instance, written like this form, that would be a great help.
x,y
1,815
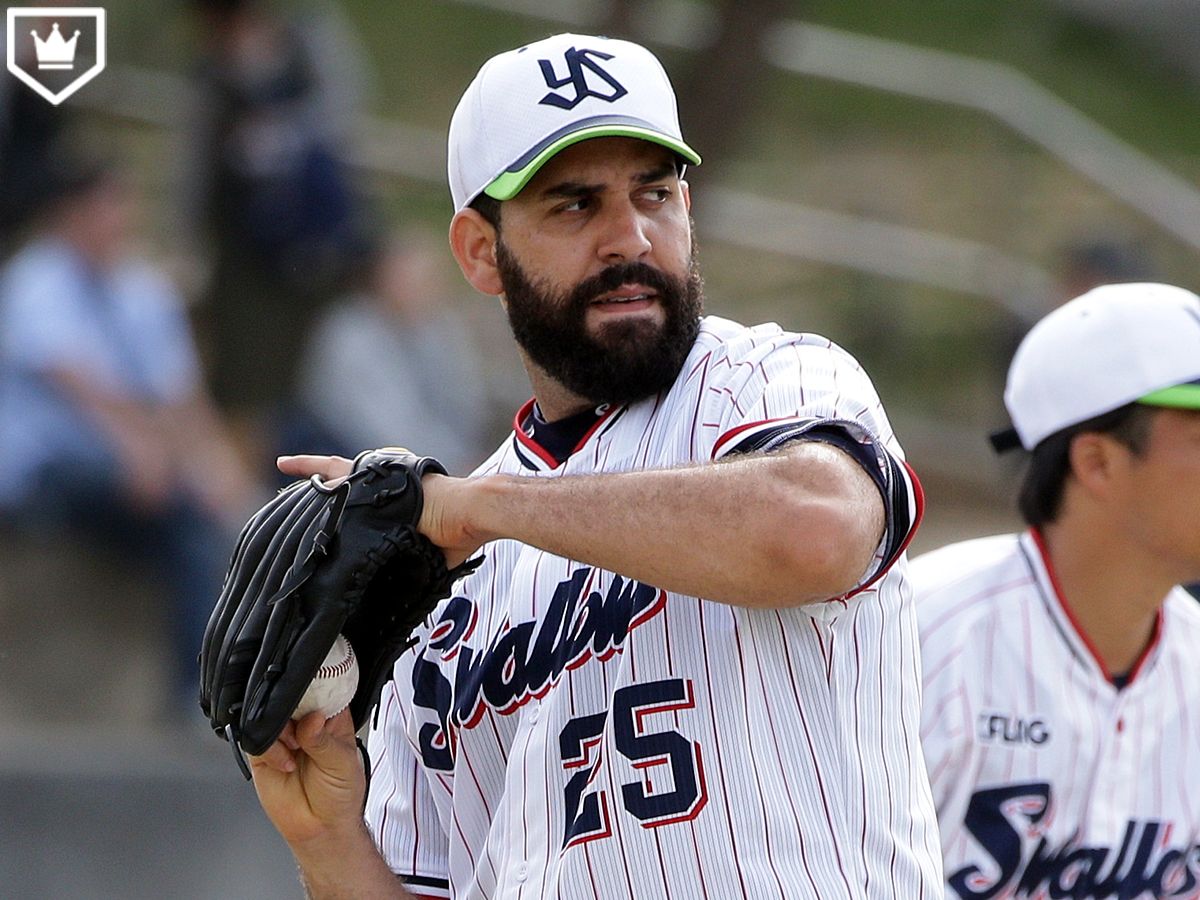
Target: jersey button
x,y
522,871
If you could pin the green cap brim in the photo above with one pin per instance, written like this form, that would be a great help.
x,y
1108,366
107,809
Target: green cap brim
x,y
510,183
1179,396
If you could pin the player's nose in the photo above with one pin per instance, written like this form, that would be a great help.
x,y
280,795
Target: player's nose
x,y
623,235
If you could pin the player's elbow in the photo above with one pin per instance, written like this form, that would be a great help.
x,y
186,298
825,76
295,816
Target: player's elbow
x,y
822,552
830,521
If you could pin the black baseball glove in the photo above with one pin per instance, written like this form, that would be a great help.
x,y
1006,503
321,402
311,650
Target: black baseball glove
x,y
317,561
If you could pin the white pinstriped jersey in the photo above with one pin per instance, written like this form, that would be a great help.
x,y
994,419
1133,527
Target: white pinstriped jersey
x,y
564,732
1049,781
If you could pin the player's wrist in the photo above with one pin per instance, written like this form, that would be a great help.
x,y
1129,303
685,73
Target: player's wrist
x,y
462,514
343,863
493,508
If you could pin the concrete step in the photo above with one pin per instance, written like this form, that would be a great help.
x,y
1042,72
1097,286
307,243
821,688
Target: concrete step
x,y
132,814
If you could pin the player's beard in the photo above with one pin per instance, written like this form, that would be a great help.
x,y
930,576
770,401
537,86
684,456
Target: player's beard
x,y
626,360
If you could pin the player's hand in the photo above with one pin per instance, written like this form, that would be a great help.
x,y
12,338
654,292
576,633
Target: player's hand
x,y
444,518
311,781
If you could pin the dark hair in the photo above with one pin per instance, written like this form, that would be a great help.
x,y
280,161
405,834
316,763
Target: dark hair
x,y
489,208
1040,497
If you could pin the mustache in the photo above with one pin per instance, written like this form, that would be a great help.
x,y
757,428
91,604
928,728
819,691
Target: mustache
x,y
618,275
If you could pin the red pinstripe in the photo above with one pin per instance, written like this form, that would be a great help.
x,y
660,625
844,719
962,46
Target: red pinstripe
x,y
803,720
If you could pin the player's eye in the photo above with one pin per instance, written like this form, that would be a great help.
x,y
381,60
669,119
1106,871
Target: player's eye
x,y
576,204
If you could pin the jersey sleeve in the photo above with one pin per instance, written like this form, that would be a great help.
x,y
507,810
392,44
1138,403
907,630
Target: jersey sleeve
x,y
401,812
771,389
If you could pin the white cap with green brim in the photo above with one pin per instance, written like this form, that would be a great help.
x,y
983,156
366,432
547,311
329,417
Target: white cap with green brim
x,y
526,105
1116,344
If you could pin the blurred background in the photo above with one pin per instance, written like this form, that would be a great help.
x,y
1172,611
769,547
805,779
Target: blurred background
x,y
242,219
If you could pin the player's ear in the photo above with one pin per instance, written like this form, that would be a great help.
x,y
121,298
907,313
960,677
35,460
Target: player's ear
x,y
1095,461
686,190
473,243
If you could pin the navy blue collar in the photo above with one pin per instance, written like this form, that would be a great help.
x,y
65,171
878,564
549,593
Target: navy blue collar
x,y
562,437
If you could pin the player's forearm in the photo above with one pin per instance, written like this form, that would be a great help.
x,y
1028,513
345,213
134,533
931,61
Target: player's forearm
x,y
350,868
767,531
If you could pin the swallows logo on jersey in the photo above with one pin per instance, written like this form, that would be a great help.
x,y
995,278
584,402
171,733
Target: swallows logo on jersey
x,y
523,661
1008,822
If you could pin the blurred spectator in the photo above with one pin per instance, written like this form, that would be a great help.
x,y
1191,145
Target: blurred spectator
x,y
105,428
30,128
392,364
268,183
1090,263
1086,262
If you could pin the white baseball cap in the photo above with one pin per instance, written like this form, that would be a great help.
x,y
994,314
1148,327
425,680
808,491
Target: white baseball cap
x,y
1116,344
527,104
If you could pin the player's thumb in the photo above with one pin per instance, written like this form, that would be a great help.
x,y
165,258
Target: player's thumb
x,y
332,747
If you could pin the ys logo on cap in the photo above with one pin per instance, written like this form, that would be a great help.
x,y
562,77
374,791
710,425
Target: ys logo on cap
x,y
579,63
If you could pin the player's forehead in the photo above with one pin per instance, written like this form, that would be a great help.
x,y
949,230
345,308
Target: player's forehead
x,y
1174,425
602,162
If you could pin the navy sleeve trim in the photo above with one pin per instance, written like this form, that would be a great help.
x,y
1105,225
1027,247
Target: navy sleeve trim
x,y
423,881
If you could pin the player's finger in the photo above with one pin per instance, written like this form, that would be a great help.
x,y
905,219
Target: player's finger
x,y
288,736
333,747
318,736
306,465
278,757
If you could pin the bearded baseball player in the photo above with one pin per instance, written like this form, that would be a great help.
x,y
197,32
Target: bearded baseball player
x,y
687,665
1062,665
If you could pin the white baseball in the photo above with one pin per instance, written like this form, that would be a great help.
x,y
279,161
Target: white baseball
x,y
333,686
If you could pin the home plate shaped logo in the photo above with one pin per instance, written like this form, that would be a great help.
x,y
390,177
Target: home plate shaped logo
x,y
56,50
